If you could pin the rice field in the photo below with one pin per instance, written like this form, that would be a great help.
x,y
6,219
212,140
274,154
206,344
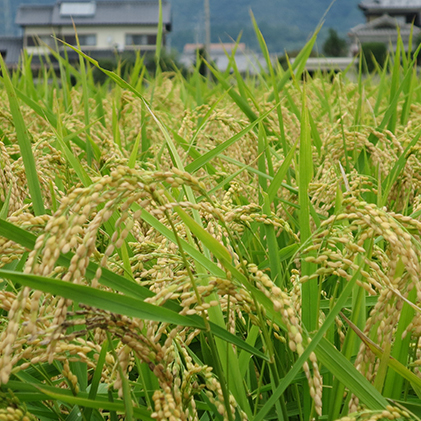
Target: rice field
x,y
240,248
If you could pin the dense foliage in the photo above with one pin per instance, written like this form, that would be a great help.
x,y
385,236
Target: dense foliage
x,y
177,248
334,45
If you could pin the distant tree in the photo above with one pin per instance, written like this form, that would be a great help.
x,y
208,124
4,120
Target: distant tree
x,y
334,46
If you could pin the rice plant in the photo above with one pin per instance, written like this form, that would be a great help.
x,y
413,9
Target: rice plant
x,y
241,248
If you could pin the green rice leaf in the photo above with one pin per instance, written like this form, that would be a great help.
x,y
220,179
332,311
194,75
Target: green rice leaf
x,y
134,152
298,66
25,144
205,158
211,243
310,288
58,394
73,161
280,174
93,391
115,303
5,206
380,353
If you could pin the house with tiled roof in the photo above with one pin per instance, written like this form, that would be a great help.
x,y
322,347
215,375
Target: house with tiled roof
x,y
104,27
384,20
405,11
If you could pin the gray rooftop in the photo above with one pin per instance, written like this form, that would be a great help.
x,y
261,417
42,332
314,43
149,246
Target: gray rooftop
x,y
10,48
383,25
101,12
390,4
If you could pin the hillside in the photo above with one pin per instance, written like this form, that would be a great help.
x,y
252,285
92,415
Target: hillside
x,y
285,24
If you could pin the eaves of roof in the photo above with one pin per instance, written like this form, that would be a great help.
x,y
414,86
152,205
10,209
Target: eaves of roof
x,y
36,14
402,5
385,32
107,13
12,46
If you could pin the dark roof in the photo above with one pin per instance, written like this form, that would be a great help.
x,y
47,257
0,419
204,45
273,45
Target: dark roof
x,y
383,25
390,5
108,12
11,47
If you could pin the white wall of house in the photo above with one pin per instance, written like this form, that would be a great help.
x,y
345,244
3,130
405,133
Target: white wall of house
x,y
106,37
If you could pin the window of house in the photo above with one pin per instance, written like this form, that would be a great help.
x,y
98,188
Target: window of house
x,y
39,40
140,39
411,18
151,39
87,40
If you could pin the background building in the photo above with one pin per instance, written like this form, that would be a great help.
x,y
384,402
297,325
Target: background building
x,y
103,27
383,18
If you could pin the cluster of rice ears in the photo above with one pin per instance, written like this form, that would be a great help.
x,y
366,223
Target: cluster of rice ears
x,y
241,248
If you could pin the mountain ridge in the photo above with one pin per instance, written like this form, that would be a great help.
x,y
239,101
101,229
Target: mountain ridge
x,y
284,24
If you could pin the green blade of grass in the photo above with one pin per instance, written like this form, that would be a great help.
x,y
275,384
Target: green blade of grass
x,y
391,108
108,278
347,374
73,161
127,396
205,158
5,206
24,142
393,175
401,349
96,377
298,66
85,96
191,150
116,127
315,134
205,120
142,413
238,99
134,152
43,112
392,362
280,174
309,289
349,349
211,243
272,247
116,303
